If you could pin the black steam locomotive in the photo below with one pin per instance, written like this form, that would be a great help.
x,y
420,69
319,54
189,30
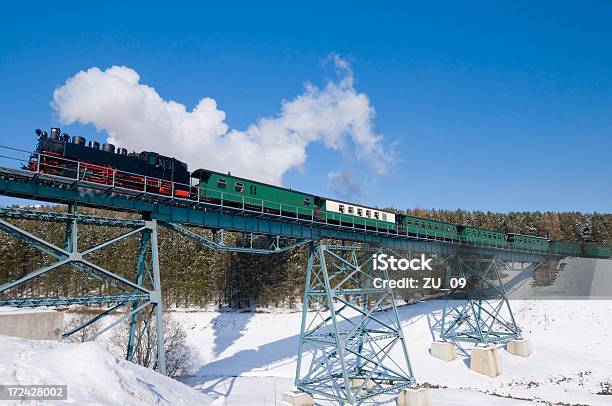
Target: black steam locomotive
x,y
60,155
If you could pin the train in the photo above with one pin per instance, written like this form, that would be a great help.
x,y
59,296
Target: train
x,y
61,155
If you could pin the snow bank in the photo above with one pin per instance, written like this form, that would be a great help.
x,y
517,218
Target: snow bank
x,y
93,375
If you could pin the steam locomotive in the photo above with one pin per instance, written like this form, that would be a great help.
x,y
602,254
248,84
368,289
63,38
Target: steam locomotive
x,y
60,155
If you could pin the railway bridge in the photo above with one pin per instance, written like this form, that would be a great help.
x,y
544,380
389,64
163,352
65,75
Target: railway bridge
x,y
349,326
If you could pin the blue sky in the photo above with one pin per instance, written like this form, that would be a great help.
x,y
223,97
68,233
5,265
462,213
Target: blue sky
x,y
485,106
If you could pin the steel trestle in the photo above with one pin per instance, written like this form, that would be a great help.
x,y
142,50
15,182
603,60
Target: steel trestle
x,y
485,317
349,329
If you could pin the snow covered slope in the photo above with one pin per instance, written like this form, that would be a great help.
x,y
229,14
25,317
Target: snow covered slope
x,y
93,375
249,358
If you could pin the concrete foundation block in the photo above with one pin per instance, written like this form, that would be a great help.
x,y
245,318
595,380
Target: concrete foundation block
x,y
356,383
414,397
443,350
32,324
297,398
484,361
522,348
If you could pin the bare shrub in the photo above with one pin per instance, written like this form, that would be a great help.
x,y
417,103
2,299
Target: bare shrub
x,y
180,357
76,319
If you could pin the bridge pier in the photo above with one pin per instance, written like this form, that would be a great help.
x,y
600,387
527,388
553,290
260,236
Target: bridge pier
x,y
485,317
346,342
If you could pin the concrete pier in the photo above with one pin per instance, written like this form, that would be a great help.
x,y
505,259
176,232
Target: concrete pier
x,y
357,382
443,350
297,398
484,361
522,348
32,324
414,397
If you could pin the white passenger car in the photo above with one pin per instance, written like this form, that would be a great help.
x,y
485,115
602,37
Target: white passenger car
x,y
359,211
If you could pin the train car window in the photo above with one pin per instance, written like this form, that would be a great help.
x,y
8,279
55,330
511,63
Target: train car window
x,y
351,210
205,177
239,187
384,216
360,212
376,216
341,208
368,213
254,190
307,201
221,183
152,160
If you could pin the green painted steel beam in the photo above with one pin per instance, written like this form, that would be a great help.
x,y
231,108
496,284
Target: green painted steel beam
x,y
73,300
18,213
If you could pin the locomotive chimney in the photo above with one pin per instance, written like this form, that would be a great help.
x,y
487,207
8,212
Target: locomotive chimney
x,y
94,144
78,140
55,133
108,147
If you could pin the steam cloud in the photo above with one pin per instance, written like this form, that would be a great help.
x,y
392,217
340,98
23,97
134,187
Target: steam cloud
x,y
345,184
136,117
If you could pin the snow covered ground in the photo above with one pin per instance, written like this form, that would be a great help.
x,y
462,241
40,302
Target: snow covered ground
x,y
93,375
249,358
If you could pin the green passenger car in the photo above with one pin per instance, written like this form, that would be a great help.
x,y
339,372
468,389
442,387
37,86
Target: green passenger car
x,y
565,248
597,250
480,236
429,228
228,190
528,242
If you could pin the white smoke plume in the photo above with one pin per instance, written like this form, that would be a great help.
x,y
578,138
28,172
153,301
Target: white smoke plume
x,y
137,118
345,184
